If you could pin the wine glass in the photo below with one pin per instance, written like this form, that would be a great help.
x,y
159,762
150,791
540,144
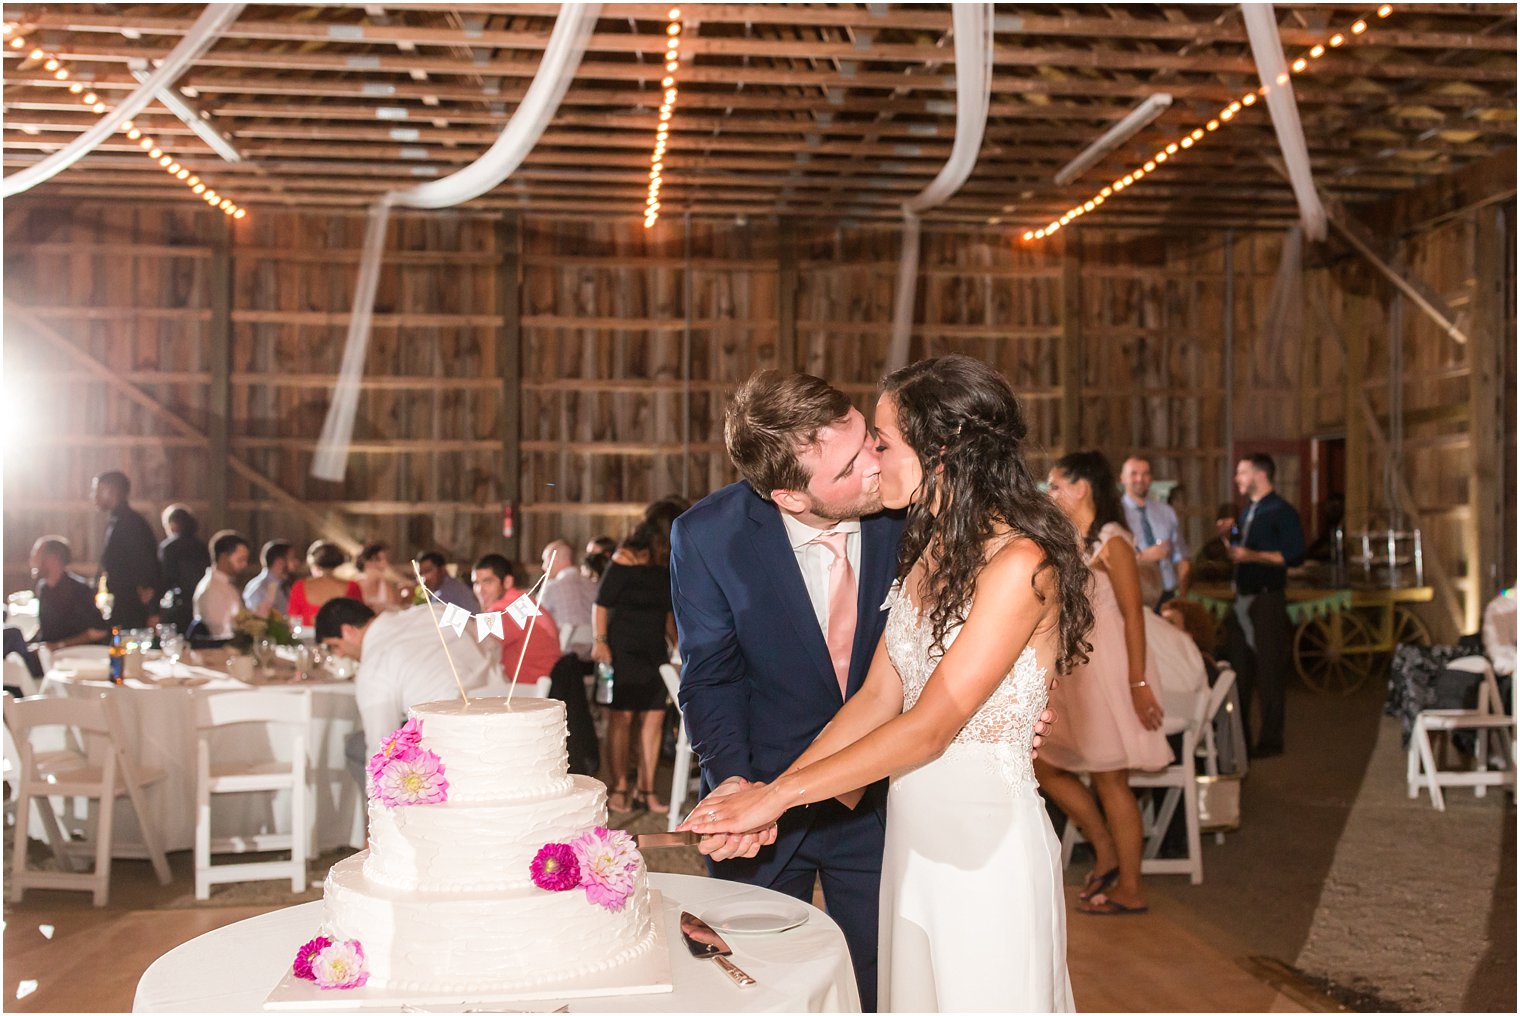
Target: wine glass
x,y
264,655
173,646
165,632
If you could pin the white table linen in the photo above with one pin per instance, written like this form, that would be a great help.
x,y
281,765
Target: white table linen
x,y
803,969
158,724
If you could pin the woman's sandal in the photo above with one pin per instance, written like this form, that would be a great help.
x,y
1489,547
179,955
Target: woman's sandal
x,y
619,802
1097,883
1102,906
645,799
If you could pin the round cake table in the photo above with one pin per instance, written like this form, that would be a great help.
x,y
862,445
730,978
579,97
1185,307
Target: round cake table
x,y
804,969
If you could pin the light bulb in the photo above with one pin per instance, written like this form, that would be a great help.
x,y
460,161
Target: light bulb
x,y
665,115
193,180
198,188
1187,142
127,125
1359,28
175,168
1213,125
1105,192
1052,228
667,82
1098,200
89,99
671,66
673,29
1197,134
145,144
211,196
61,74
165,161
1316,52
155,153
1088,206
1149,166
183,172
1249,99
1028,234
1337,39
134,133
51,65
1136,175
36,54
670,95
99,107
675,12
1299,65
76,88
18,43
240,214
1161,157
1384,11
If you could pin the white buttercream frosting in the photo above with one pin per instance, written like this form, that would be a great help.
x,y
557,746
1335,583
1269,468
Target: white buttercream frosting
x,y
474,846
498,749
444,899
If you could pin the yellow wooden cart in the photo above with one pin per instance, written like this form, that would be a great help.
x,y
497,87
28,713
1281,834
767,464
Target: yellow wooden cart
x,y
1343,635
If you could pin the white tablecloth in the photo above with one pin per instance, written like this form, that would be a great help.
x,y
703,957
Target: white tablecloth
x,y
804,969
159,727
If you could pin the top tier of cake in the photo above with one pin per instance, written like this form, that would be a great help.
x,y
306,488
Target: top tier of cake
x,y
496,749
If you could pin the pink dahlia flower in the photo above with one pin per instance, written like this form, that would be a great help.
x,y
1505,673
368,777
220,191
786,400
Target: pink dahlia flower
x,y
403,742
608,862
556,868
415,780
341,965
306,954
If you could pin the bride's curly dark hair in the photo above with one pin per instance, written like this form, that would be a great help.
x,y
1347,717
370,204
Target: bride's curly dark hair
x,y
959,413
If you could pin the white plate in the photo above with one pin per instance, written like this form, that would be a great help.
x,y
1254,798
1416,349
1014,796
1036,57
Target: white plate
x,y
756,918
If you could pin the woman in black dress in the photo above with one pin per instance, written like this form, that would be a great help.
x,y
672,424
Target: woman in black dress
x,y
634,632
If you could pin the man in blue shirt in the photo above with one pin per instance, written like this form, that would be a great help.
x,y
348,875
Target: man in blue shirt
x,y
1268,541
1159,545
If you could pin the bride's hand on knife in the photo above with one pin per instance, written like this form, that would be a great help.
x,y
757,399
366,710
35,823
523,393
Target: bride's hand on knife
x,y
753,810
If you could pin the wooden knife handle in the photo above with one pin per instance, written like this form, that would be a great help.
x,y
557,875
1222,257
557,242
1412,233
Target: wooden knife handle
x,y
738,976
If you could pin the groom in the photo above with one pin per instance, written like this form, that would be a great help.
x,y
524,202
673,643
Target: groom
x,y
777,583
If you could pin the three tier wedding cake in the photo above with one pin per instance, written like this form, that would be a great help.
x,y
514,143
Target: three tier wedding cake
x,y
490,868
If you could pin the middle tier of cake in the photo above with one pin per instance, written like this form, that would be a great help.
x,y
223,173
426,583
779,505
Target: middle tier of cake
x,y
477,846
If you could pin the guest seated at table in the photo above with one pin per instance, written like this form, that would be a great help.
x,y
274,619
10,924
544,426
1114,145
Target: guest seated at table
x,y
498,586
1195,619
183,558
435,575
217,599
309,594
401,664
380,591
66,612
269,589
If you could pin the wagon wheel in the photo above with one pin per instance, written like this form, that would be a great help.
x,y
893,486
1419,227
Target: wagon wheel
x,y
1334,653
1407,629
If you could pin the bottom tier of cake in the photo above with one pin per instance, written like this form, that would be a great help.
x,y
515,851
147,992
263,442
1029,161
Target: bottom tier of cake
x,y
499,941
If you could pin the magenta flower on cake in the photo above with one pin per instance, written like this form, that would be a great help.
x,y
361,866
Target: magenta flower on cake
x,y
556,868
415,780
608,861
306,955
403,742
340,965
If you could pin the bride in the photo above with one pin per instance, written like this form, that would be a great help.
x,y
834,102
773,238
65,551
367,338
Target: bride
x,y
990,603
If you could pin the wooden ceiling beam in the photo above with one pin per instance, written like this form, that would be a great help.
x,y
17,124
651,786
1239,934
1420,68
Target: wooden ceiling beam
x,y
1230,31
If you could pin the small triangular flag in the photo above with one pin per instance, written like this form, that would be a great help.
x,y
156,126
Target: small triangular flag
x,y
456,617
487,624
521,609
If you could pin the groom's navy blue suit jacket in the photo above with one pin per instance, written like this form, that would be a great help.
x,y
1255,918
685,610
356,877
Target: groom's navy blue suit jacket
x,y
756,683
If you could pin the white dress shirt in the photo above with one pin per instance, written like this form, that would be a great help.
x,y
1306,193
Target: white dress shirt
x,y
217,602
814,559
403,665
568,598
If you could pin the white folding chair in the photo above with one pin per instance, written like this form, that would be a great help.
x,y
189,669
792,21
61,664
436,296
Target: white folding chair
x,y
1220,700
107,774
685,782
1487,720
289,711
574,634
18,676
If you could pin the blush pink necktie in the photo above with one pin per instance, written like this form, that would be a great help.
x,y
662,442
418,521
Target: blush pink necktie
x,y
841,629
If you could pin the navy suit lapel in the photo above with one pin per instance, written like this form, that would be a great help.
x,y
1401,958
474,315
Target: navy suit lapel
x,y
777,562
878,563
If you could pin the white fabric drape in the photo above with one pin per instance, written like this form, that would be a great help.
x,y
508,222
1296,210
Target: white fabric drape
x,y
1266,47
201,36
561,60
973,93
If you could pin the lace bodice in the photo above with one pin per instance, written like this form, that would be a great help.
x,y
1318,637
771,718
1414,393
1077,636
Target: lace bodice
x,y
1004,723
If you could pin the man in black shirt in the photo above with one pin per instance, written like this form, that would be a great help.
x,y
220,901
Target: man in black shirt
x,y
184,558
130,556
66,614
1268,541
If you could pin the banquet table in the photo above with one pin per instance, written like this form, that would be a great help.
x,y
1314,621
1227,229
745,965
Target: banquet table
x,y
157,714
803,969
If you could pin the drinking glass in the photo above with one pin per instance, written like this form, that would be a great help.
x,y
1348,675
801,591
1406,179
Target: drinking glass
x,y
165,632
173,646
264,655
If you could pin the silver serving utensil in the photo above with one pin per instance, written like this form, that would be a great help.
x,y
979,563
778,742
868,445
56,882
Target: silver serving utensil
x,y
647,841
705,943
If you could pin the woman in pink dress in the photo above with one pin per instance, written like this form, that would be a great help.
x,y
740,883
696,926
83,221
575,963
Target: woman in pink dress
x,y
1110,714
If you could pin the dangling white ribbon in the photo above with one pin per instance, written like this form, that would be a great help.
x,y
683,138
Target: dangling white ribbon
x,y
562,57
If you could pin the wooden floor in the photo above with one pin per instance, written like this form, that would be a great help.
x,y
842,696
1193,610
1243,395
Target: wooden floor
x,y
93,959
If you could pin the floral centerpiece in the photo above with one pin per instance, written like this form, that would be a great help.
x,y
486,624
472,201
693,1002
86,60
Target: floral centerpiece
x,y
249,629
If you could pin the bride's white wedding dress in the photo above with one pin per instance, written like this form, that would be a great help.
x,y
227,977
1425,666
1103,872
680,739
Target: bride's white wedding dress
x,y
973,916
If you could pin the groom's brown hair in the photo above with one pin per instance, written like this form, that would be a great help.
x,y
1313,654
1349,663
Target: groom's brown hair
x,y
770,419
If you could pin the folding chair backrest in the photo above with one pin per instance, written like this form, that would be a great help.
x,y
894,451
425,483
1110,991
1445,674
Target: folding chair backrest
x,y
672,678
1220,693
289,707
18,676
572,634
90,723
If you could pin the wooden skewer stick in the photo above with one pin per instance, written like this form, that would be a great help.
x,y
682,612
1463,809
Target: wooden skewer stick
x,y
540,585
417,569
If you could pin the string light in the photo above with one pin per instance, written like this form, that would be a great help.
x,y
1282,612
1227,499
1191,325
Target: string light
x,y
53,63
1229,114
667,111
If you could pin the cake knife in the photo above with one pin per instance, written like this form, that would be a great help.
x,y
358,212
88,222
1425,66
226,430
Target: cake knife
x,y
648,841
704,943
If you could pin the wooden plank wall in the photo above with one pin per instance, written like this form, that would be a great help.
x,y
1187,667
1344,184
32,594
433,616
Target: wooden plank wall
x,y
632,339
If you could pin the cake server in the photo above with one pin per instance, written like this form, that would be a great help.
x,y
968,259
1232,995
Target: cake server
x,y
705,943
